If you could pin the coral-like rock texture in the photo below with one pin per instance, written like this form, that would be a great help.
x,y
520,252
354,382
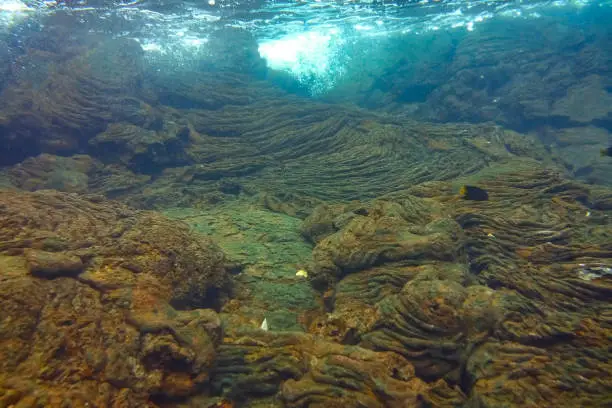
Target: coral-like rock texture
x,y
101,305
59,109
302,370
506,298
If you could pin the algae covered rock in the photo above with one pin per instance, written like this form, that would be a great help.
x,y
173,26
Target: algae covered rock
x,y
129,330
50,264
69,174
301,370
514,294
142,150
386,231
265,249
71,98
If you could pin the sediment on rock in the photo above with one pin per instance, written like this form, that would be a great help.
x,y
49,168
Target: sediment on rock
x,y
102,304
528,270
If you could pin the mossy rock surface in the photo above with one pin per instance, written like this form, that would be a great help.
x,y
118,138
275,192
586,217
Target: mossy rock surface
x,y
267,249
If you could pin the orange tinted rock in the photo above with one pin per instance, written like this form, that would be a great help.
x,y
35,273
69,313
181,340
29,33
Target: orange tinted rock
x,y
50,264
109,336
388,231
517,375
307,371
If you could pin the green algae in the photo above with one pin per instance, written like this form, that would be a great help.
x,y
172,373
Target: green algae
x,y
283,320
251,236
499,170
294,296
270,250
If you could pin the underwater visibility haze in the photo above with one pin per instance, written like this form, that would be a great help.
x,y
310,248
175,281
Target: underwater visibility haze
x,y
313,203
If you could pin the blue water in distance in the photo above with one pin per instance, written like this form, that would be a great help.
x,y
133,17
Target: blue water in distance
x,y
322,44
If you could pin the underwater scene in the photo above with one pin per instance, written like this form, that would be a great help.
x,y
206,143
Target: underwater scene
x,y
305,203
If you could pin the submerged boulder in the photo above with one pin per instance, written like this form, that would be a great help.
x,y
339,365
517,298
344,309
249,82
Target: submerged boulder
x,y
70,98
103,305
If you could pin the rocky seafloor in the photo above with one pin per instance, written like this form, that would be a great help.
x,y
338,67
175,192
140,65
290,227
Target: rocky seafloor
x,y
149,227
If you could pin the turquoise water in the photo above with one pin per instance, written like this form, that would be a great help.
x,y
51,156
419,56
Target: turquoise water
x,y
321,44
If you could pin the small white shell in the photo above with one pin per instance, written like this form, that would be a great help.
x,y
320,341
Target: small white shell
x,y
264,324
